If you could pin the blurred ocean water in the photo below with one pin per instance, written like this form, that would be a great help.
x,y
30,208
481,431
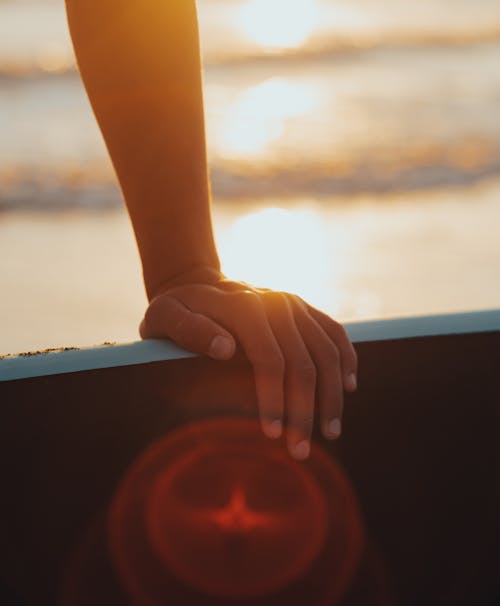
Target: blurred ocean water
x,y
304,99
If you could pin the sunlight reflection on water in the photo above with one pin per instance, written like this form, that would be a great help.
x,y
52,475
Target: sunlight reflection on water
x,y
376,258
278,23
259,115
279,249
299,251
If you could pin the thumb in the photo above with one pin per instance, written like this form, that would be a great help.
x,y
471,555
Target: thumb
x,y
167,317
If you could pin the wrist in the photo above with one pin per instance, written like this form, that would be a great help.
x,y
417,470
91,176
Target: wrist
x,y
195,274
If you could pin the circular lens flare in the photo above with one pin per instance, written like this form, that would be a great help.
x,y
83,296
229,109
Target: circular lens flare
x,y
215,509
237,538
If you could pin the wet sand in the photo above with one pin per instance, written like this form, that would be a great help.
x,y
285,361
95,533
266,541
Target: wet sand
x,y
74,279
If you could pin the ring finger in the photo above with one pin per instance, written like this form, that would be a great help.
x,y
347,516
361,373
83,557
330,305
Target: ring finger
x,y
326,357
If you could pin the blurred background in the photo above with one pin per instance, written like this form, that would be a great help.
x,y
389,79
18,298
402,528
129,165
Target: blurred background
x,y
354,150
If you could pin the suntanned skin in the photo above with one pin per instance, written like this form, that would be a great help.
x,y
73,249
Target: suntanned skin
x,y
140,63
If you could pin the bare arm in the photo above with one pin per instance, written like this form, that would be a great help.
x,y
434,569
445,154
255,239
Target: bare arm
x,y
140,62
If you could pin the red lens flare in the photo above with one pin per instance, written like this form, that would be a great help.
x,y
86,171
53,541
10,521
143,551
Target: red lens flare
x,y
229,526
218,510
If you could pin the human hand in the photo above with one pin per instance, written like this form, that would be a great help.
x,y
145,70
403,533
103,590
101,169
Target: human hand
x,y
298,353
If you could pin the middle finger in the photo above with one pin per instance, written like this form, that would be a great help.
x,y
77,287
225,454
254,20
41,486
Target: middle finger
x,y
300,374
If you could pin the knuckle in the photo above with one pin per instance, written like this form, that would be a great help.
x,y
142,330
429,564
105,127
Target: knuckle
x,y
273,296
332,356
177,322
339,330
280,295
299,302
185,325
181,330
276,302
192,332
247,299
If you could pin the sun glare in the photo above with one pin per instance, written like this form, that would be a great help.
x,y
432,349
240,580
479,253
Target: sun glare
x,y
258,116
280,249
278,24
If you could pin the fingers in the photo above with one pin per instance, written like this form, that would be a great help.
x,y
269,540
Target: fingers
x,y
248,320
300,356
168,317
337,333
300,377
327,361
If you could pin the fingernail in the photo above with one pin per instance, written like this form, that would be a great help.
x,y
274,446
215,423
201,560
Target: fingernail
x,y
273,429
301,450
221,348
333,428
352,382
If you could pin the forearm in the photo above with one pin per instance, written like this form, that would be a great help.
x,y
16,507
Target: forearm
x,y
140,63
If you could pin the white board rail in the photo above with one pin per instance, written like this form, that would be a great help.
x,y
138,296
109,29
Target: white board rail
x,y
154,350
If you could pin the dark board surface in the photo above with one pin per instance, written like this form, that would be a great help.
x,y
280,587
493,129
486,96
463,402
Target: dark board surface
x,y
421,446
